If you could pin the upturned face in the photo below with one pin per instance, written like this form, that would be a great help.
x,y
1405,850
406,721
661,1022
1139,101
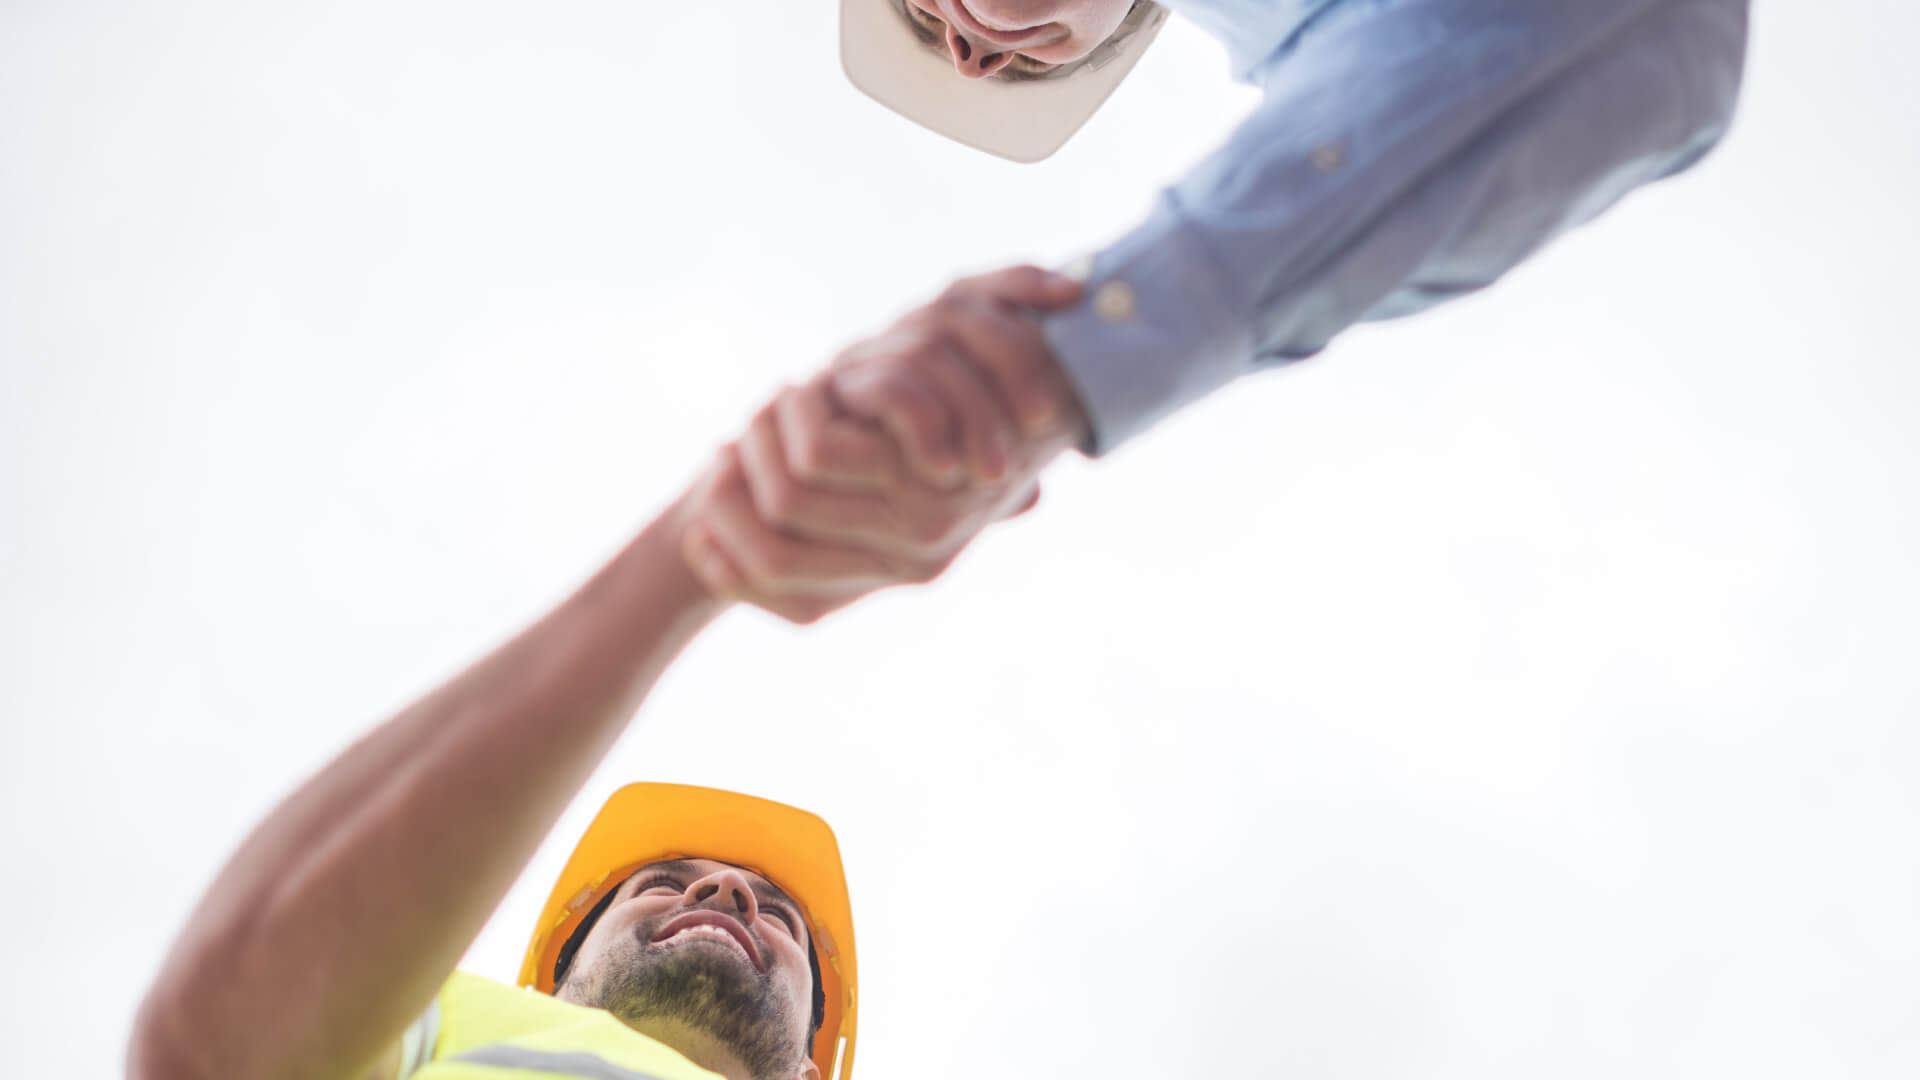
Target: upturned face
x,y
699,951
1023,37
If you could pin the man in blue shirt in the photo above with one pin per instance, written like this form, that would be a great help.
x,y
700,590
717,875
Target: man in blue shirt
x,y
1406,152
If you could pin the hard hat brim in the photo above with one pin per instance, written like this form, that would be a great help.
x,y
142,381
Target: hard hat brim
x,y
1023,121
647,823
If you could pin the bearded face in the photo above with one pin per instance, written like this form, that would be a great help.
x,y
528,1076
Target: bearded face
x,y
695,949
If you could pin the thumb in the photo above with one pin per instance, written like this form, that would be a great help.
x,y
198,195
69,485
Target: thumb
x,y
1026,286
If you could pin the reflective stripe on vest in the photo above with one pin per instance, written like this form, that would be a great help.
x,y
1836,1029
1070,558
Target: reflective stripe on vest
x,y
582,1066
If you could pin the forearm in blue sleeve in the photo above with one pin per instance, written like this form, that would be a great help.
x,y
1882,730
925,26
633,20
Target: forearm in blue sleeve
x,y
1435,174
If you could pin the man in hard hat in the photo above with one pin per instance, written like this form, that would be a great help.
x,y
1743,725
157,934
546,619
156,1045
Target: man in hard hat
x,y
714,926
1406,152
693,933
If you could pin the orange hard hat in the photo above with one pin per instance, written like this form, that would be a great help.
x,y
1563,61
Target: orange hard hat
x,y
648,823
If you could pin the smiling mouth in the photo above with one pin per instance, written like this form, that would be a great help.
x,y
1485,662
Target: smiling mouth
x,y
710,927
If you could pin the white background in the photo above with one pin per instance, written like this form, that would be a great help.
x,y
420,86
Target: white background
x,y
1523,689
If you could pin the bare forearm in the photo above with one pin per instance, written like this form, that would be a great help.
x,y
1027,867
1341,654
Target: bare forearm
x,y
338,919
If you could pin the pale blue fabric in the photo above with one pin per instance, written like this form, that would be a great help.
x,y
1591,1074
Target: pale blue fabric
x,y
1405,152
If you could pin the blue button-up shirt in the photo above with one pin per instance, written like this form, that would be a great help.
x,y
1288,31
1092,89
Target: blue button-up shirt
x,y
1405,152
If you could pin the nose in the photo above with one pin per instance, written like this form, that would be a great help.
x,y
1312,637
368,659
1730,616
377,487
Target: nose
x,y
975,59
725,887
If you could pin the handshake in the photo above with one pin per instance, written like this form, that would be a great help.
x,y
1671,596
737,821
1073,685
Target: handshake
x,y
880,469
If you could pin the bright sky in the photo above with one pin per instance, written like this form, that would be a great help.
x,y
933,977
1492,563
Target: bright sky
x,y
1524,689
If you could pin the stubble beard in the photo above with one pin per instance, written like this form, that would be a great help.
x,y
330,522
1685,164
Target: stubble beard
x,y
697,985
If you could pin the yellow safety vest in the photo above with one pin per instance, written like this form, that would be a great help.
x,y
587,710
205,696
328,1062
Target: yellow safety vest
x,y
482,1030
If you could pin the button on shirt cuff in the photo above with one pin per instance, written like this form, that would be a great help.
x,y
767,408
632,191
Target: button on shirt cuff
x,y
1160,326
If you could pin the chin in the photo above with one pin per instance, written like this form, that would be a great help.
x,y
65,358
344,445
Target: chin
x,y
708,988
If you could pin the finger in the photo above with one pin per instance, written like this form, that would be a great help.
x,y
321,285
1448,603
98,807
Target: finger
x,y
1012,353
901,401
711,566
906,524
791,507
782,566
1024,286
826,450
723,579
985,425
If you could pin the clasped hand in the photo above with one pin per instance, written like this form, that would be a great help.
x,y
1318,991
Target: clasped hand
x,y
879,470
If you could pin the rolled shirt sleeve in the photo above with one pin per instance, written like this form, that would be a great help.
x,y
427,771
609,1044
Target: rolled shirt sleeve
x,y
1405,152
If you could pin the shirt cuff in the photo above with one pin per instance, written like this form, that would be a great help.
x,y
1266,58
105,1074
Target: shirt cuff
x,y
1160,326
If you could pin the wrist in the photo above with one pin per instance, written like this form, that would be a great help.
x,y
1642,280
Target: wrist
x,y
651,574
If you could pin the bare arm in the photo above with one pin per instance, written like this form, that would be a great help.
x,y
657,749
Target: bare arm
x,y
342,914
